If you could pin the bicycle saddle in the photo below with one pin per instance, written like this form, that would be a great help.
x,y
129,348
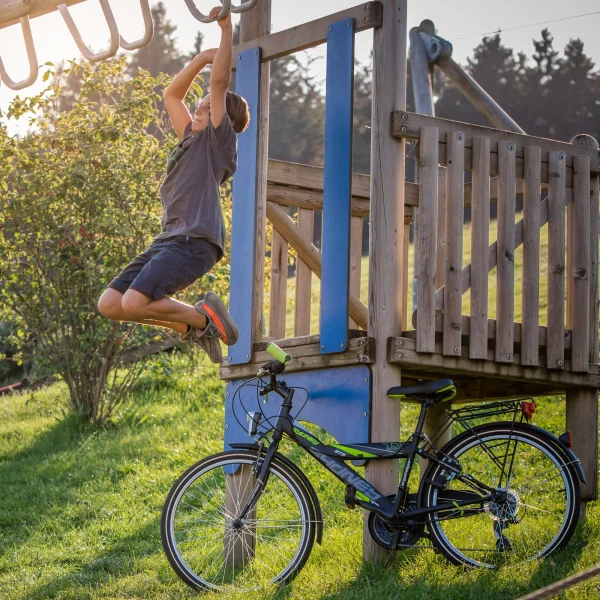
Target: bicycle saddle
x,y
439,391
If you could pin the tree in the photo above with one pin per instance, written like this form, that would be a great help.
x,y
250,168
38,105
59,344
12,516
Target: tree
x,y
161,54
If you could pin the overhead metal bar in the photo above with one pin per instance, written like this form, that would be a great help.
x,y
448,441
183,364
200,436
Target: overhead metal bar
x,y
31,56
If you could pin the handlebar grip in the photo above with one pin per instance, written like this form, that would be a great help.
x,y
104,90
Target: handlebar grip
x,y
278,354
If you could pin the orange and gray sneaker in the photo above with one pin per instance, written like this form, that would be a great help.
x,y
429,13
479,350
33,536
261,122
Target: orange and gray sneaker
x,y
199,337
220,324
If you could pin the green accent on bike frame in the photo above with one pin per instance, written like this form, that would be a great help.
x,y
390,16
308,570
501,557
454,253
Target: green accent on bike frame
x,y
397,396
277,353
354,451
306,436
462,512
362,497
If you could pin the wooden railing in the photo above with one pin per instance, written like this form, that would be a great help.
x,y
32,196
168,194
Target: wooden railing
x,y
559,183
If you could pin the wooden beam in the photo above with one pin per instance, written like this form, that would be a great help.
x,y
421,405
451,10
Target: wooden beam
x,y
311,34
310,255
408,125
285,177
305,356
35,9
402,351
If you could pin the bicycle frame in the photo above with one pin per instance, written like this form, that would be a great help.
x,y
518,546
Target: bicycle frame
x,y
332,457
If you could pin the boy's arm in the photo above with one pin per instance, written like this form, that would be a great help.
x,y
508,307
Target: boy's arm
x,y
220,76
175,93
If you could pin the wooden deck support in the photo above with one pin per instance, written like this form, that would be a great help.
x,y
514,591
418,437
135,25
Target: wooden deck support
x,y
386,244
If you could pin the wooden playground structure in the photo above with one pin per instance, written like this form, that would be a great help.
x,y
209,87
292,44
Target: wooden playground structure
x,y
455,329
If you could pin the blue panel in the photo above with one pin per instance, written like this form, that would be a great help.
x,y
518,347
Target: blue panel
x,y
339,402
335,279
243,234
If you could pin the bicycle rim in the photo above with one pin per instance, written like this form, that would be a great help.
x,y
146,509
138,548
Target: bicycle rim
x,y
537,515
210,550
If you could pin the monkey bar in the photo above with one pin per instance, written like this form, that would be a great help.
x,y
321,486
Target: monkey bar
x,y
21,11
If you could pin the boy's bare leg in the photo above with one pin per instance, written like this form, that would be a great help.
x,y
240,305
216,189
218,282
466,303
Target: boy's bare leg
x,y
137,306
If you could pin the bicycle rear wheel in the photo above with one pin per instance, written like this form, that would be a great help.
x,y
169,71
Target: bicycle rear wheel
x,y
210,549
536,508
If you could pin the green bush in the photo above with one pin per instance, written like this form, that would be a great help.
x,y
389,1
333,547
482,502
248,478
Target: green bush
x,y
79,199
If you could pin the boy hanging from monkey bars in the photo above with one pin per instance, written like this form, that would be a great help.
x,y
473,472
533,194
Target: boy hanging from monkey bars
x,y
193,231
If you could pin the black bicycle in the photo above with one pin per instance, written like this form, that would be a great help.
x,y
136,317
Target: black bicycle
x,y
498,493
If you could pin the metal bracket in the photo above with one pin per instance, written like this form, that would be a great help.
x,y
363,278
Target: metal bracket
x,y
436,47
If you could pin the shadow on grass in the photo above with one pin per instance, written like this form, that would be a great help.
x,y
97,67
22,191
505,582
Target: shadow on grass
x,y
447,582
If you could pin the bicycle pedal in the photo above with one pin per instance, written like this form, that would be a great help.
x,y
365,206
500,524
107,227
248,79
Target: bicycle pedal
x,y
350,497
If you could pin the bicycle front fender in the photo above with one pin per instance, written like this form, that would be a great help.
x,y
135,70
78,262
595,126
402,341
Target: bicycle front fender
x,y
301,476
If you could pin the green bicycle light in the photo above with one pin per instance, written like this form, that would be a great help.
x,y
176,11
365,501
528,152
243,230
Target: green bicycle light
x,y
276,352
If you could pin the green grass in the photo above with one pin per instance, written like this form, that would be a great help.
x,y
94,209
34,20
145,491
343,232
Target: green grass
x,y
80,509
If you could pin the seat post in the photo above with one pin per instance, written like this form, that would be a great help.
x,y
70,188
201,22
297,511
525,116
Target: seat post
x,y
422,414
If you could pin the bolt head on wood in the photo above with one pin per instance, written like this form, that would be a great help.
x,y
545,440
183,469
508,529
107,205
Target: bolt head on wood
x,y
509,357
559,363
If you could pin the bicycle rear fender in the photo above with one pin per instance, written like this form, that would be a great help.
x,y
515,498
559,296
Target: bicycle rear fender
x,y
301,476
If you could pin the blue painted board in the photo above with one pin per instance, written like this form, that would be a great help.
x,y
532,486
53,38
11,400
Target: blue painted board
x,y
339,401
245,185
337,190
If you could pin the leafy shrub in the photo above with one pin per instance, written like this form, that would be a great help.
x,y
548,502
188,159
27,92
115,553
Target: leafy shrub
x,y
79,199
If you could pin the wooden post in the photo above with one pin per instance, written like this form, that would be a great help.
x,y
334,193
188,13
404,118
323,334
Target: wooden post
x,y
531,256
426,245
555,340
254,24
441,229
582,422
594,235
356,229
480,239
279,271
505,296
580,348
306,225
455,144
385,244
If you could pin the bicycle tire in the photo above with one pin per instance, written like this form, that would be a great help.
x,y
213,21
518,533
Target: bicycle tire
x,y
284,492
532,530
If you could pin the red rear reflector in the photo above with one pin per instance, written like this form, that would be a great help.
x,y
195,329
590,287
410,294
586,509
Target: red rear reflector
x,y
528,409
566,439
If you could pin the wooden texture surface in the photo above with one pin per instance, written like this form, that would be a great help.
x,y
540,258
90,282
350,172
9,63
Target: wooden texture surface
x,y
580,274
356,229
531,256
582,422
413,123
480,225
426,239
440,258
505,289
278,287
386,244
306,226
309,254
255,24
555,354
594,241
311,34
454,243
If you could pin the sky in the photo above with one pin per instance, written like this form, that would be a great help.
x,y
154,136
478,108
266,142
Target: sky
x,y
461,21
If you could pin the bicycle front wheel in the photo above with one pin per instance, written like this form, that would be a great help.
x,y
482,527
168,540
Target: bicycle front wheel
x,y
536,504
211,549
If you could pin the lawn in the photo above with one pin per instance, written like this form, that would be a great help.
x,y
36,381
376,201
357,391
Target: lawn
x,y
80,509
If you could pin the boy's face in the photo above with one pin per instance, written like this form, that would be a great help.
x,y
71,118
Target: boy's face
x,y
201,115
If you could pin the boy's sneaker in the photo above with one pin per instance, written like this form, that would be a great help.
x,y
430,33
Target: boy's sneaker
x,y
210,344
220,323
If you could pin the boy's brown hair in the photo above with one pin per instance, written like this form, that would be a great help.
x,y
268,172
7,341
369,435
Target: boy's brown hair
x,y
238,111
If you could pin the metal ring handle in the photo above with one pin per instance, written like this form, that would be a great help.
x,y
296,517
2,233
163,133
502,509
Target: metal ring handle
x,y
204,18
149,29
112,26
31,55
245,6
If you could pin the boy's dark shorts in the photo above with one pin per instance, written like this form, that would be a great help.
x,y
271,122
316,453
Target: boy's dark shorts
x,y
168,266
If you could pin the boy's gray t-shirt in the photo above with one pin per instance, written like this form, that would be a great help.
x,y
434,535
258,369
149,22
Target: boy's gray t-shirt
x,y
190,191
